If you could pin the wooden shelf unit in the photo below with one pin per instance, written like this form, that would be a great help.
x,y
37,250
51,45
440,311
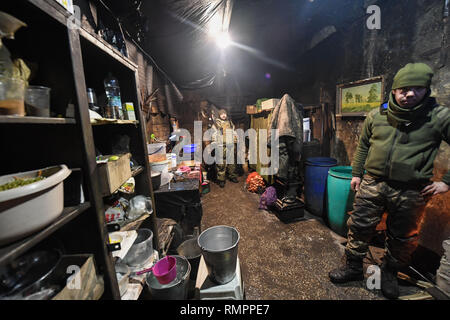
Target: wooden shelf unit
x,y
70,60
14,250
35,120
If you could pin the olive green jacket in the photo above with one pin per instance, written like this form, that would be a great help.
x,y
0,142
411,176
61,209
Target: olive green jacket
x,y
402,154
220,128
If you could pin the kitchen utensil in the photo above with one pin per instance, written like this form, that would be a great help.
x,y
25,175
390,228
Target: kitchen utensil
x,y
165,270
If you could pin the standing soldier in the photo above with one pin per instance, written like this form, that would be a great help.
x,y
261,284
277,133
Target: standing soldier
x,y
398,145
220,127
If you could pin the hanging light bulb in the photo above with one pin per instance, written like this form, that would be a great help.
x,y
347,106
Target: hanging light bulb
x,y
222,39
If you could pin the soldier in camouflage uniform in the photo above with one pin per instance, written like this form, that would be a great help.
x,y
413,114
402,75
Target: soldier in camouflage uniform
x,y
220,127
397,147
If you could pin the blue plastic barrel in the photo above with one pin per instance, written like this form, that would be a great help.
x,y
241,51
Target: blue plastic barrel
x,y
316,174
190,148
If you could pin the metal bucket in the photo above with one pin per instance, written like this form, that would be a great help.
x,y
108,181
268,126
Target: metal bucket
x,y
176,289
219,247
193,253
141,250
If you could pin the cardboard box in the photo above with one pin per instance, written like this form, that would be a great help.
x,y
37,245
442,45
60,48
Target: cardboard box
x,y
252,109
129,107
113,174
269,104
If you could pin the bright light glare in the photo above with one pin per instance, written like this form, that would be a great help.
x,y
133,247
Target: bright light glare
x,y
223,40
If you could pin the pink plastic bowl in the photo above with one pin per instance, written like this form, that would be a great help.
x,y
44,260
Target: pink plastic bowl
x,y
165,270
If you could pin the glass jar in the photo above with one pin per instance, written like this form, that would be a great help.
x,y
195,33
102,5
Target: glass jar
x,y
12,96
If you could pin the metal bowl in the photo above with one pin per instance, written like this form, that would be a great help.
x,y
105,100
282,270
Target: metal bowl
x,y
141,250
176,289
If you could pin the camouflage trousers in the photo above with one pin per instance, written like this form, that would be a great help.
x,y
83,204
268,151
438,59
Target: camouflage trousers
x,y
405,207
225,168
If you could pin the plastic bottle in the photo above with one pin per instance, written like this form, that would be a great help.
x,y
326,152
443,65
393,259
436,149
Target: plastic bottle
x,y
112,89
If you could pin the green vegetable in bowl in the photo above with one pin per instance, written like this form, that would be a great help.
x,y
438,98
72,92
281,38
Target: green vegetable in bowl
x,y
19,182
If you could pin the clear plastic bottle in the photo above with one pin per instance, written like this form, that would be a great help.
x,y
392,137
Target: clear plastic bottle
x,y
112,89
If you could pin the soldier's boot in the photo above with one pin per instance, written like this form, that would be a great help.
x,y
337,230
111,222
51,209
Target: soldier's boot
x,y
389,281
222,184
350,270
234,179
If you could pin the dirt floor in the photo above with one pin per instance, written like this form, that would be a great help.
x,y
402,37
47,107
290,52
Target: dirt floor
x,y
282,261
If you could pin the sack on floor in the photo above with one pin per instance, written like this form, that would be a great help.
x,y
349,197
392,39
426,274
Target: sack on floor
x,y
255,183
268,198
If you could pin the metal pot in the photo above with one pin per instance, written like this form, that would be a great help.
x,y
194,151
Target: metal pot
x,y
141,250
175,290
193,253
156,180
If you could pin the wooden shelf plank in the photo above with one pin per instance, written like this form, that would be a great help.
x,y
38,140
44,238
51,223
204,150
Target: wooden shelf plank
x,y
35,120
137,171
99,122
134,224
107,48
14,250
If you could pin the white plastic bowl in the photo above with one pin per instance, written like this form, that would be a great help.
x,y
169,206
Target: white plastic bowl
x,y
27,209
162,166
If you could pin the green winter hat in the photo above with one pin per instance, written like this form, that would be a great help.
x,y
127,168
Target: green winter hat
x,y
413,75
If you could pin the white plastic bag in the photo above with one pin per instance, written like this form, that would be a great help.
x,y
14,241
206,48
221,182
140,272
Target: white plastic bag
x,y
139,205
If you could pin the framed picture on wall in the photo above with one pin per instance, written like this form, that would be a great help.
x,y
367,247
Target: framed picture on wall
x,y
359,97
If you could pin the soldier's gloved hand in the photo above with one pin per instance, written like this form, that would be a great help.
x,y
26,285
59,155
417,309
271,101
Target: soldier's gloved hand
x,y
354,184
435,188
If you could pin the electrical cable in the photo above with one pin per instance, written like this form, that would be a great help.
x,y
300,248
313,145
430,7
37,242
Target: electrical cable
x,y
139,47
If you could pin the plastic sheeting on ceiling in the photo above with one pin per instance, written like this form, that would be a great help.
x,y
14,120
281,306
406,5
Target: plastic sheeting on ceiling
x,y
180,38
